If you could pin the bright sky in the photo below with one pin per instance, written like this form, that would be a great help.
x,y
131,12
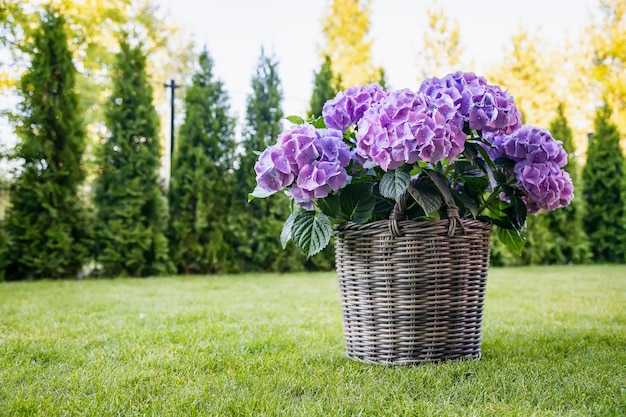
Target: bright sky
x,y
235,30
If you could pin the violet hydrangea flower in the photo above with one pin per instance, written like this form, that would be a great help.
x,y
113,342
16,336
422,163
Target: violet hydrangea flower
x,y
539,159
532,144
348,107
273,172
406,127
309,162
483,106
547,187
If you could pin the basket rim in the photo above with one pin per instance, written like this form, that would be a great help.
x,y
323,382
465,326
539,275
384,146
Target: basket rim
x,y
383,225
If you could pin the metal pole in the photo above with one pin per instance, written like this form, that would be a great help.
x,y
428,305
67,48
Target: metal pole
x,y
172,85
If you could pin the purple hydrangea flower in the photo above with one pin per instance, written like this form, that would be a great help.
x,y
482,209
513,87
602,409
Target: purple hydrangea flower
x,y
485,107
546,185
273,172
531,144
407,126
316,158
348,107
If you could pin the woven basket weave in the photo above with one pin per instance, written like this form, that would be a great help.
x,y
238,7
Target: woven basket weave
x,y
412,291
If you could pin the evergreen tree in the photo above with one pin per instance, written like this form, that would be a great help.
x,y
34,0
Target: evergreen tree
x,y
325,88
567,242
607,39
201,181
603,182
46,225
130,205
258,224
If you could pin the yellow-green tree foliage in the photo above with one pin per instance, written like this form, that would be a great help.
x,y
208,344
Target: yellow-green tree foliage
x,y
441,52
529,70
608,44
346,28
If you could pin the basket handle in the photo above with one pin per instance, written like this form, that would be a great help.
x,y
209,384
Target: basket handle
x,y
399,209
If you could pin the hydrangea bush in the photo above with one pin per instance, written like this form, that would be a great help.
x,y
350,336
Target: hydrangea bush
x,y
455,141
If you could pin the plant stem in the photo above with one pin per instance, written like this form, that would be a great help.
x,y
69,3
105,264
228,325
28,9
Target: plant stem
x,y
491,197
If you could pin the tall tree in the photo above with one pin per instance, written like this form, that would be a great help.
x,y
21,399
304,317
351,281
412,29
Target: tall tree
x,y
93,27
603,191
441,52
130,205
524,73
258,224
567,242
46,221
325,88
608,44
346,28
202,177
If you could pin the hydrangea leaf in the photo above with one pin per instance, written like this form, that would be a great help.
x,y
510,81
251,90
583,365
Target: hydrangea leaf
x,y
426,196
285,234
330,205
357,202
512,238
394,183
296,120
311,231
259,193
441,182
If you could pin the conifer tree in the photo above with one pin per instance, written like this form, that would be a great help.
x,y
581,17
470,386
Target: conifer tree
x,y
259,222
130,205
324,89
603,191
567,241
202,177
46,224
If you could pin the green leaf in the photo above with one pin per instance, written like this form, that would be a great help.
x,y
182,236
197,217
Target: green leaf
x,y
357,202
259,193
467,202
485,155
311,231
394,183
441,182
426,196
330,205
318,123
297,120
512,238
285,234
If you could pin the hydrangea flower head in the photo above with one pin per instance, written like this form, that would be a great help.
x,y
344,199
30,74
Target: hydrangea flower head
x,y
530,143
406,127
485,107
546,185
309,162
348,107
273,172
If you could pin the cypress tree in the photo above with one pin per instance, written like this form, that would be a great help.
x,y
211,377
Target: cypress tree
x,y
130,204
202,178
46,226
324,88
567,242
259,223
603,182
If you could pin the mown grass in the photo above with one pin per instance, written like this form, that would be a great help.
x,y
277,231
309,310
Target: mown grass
x,y
554,344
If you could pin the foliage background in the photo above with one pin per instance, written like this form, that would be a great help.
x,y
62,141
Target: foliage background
x,y
556,88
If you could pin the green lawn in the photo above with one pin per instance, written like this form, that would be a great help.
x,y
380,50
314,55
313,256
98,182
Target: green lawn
x,y
554,344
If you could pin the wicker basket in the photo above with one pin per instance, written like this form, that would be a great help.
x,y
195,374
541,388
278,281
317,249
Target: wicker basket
x,y
412,291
